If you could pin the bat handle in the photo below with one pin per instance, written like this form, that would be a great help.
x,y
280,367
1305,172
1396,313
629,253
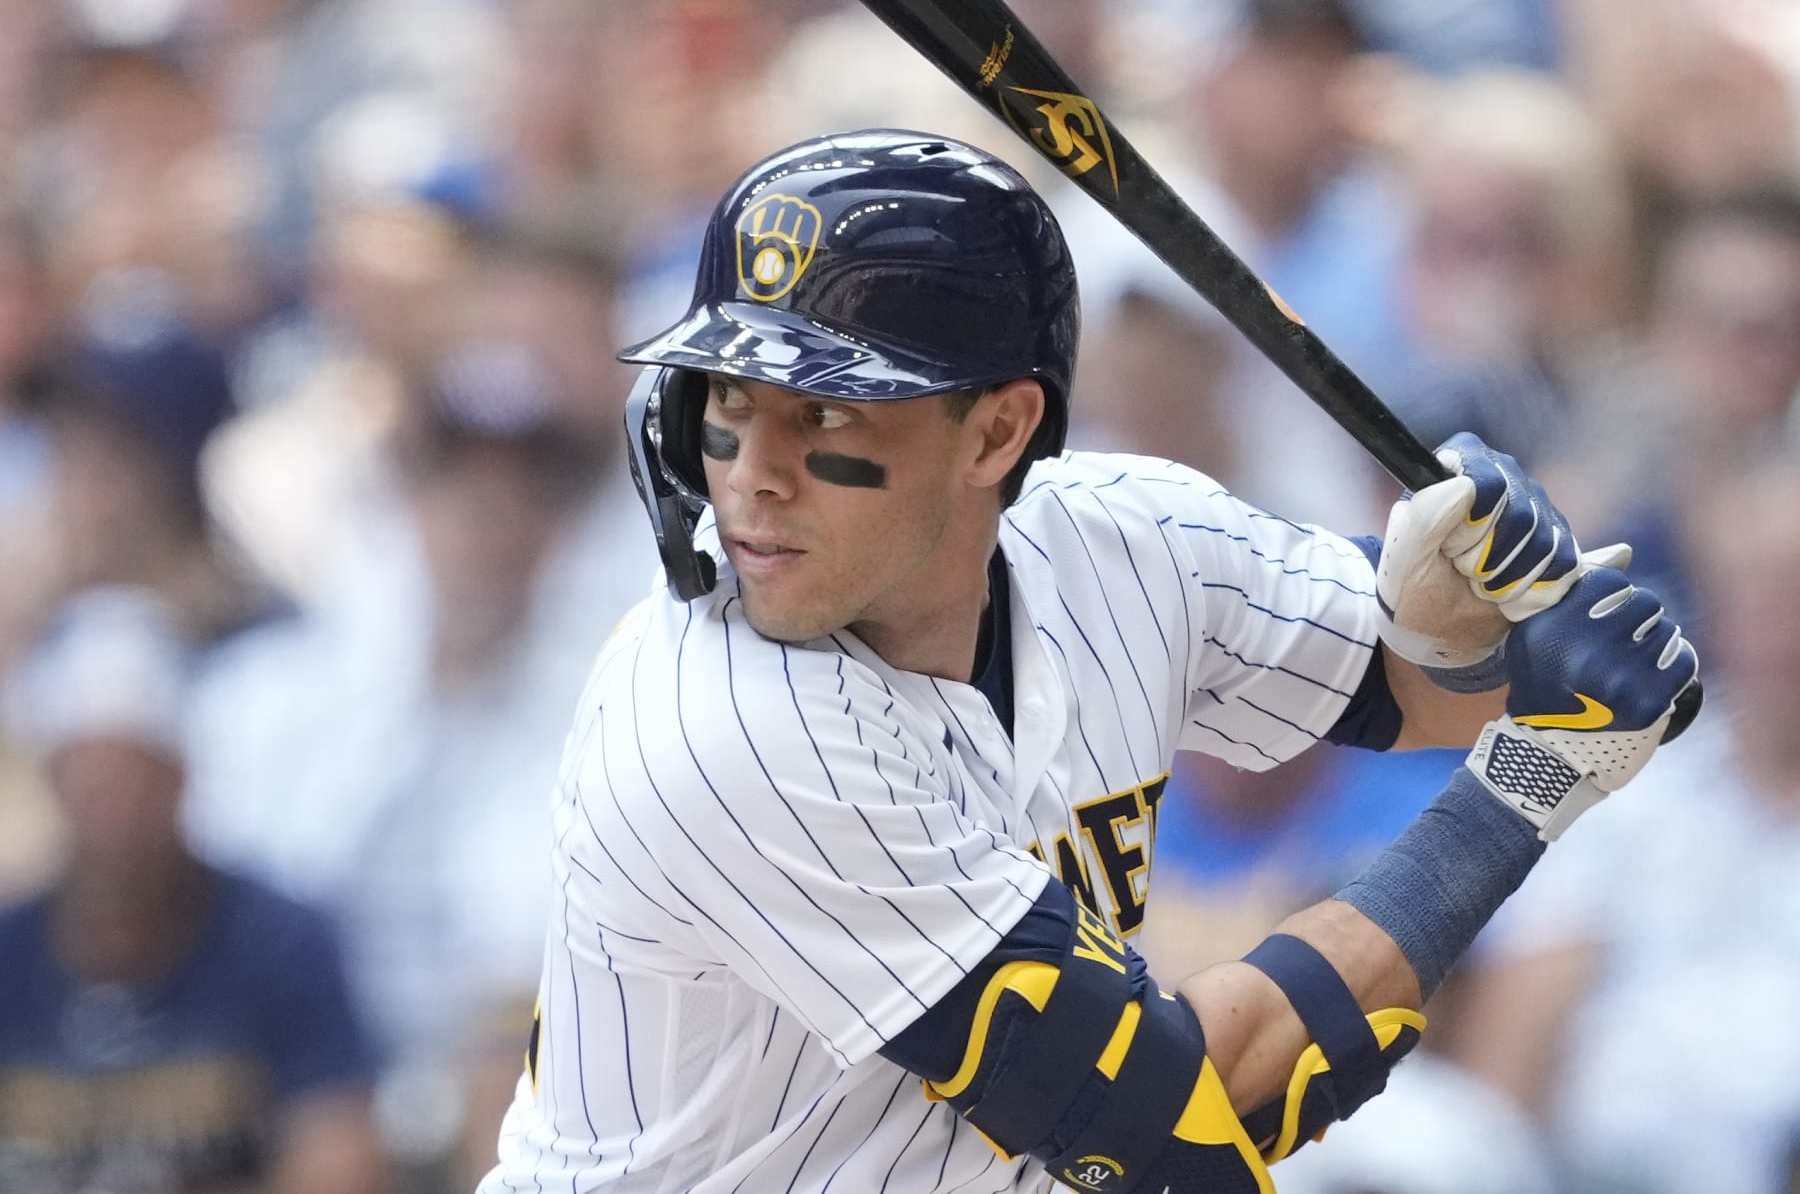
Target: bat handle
x,y
1417,471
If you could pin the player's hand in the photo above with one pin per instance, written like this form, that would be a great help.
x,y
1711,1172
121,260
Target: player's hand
x,y
1467,557
1594,682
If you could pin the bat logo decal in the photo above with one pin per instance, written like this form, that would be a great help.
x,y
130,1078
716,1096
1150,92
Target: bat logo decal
x,y
995,62
1068,129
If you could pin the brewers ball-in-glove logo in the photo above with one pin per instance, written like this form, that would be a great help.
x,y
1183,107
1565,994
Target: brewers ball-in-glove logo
x,y
777,237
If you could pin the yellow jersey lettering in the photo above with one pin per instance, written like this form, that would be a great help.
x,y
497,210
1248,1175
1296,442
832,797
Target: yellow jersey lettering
x,y
1095,942
1090,949
1102,823
1074,873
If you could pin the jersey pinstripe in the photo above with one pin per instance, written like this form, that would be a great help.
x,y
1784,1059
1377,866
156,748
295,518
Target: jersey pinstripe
x,y
770,859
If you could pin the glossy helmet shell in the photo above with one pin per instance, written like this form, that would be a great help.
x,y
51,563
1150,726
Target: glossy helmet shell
x,y
873,266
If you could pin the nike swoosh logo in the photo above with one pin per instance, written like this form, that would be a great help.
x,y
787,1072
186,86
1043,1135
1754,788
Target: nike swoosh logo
x,y
1593,716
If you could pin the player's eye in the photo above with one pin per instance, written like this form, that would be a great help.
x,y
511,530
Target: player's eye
x,y
729,398
828,418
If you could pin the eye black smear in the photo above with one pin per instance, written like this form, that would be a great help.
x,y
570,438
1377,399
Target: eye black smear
x,y
851,471
717,442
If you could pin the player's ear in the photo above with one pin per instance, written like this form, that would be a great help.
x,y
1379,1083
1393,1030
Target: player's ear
x,y
1000,427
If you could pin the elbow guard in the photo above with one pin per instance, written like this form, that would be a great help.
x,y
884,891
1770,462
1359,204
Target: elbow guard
x,y
1103,1079
1349,1060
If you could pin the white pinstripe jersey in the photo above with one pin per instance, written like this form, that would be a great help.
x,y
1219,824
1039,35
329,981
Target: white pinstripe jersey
x,y
771,859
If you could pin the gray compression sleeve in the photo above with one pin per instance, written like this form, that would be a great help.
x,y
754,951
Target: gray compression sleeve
x,y
1442,879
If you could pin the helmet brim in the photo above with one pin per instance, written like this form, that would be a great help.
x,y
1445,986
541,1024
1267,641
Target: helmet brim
x,y
784,349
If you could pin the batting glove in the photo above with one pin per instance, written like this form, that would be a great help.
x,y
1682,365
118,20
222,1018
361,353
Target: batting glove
x,y
1466,558
1594,683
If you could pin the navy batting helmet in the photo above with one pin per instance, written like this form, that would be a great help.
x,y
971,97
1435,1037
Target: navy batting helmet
x,y
861,266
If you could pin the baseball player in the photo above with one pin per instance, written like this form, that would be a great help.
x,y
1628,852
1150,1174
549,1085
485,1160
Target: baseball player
x,y
857,817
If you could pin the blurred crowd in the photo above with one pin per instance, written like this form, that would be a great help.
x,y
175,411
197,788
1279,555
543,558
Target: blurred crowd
x,y
314,510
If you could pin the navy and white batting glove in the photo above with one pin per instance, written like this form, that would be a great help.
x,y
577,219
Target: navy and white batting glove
x,y
1466,558
1594,682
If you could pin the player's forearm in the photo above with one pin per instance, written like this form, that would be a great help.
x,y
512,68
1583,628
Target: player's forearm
x,y
1431,716
1391,935
1254,1036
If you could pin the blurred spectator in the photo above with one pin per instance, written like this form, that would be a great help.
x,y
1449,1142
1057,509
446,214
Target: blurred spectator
x,y
164,1025
1725,320
1518,273
552,289
442,660
143,395
132,115
1706,95
135,397
1714,382
1634,991
132,177
134,167
288,71
145,398
305,484
1287,189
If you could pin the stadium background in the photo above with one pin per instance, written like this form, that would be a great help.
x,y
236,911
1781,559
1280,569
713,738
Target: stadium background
x,y
307,310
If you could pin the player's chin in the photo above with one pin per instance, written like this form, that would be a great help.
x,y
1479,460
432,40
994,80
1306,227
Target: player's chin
x,y
778,616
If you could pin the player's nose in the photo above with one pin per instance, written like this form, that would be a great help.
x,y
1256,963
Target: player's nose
x,y
769,460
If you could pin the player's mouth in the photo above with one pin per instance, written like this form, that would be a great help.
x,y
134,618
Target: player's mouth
x,y
760,556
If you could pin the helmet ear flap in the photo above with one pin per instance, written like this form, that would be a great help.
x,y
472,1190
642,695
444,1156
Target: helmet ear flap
x,y
682,408
674,511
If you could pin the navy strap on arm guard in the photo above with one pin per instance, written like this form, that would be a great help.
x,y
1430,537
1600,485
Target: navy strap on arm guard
x,y
1351,1055
1074,1056
1331,1014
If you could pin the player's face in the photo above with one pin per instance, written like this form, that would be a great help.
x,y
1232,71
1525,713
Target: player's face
x,y
829,511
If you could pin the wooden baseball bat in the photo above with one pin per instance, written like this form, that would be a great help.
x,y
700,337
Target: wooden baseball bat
x,y
992,56
988,52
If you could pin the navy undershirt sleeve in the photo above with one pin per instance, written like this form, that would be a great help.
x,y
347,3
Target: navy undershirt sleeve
x,y
1372,718
993,647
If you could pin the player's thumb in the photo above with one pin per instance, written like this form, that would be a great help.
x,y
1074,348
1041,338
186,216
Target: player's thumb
x,y
1411,550
1536,598
1435,511
1613,555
